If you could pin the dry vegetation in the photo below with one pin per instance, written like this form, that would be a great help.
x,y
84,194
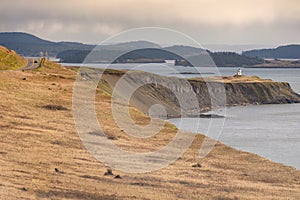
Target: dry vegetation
x,y
10,60
42,156
235,79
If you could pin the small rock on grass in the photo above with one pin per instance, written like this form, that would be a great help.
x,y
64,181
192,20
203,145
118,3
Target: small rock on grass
x,y
57,170
108,172
117,177
197,165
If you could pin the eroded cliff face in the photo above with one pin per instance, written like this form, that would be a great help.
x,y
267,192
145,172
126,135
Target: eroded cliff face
x,y
190,97
260,93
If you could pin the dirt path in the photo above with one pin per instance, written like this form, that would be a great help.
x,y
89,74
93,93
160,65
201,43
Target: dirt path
x,y
32,63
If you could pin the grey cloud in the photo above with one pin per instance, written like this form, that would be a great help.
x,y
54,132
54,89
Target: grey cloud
x,y
92,21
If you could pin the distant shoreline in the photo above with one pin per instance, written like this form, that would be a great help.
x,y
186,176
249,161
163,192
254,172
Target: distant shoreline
x,y
274,67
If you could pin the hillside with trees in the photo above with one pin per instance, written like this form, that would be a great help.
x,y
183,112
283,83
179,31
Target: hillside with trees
x,y
30,45
286,52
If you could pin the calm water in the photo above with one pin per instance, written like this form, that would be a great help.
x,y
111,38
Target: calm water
x,y
271,131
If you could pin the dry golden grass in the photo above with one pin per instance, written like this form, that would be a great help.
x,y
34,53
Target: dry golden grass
x,y
34,141
234,79
10,60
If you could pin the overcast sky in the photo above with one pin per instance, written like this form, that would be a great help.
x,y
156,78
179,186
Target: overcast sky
x,y
269,22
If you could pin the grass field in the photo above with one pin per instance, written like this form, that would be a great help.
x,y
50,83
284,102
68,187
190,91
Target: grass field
x,y
42,156
10,60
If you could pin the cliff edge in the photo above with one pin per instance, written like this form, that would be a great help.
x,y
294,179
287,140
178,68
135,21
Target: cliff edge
x,y
229,91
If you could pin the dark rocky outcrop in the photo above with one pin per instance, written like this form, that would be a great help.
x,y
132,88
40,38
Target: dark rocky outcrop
x,y
260,93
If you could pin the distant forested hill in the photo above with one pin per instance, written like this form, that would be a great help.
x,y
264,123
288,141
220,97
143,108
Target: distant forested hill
x,y
143,55
288,52
158,55
74,52
30,45
231,59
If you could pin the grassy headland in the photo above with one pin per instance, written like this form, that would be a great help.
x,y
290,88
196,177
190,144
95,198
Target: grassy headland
x,y
42,156
10,60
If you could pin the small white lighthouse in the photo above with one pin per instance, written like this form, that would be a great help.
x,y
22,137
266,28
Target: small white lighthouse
x,y
239,72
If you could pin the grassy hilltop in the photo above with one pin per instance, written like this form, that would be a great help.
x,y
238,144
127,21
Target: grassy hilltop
x,y
42,156
10,59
